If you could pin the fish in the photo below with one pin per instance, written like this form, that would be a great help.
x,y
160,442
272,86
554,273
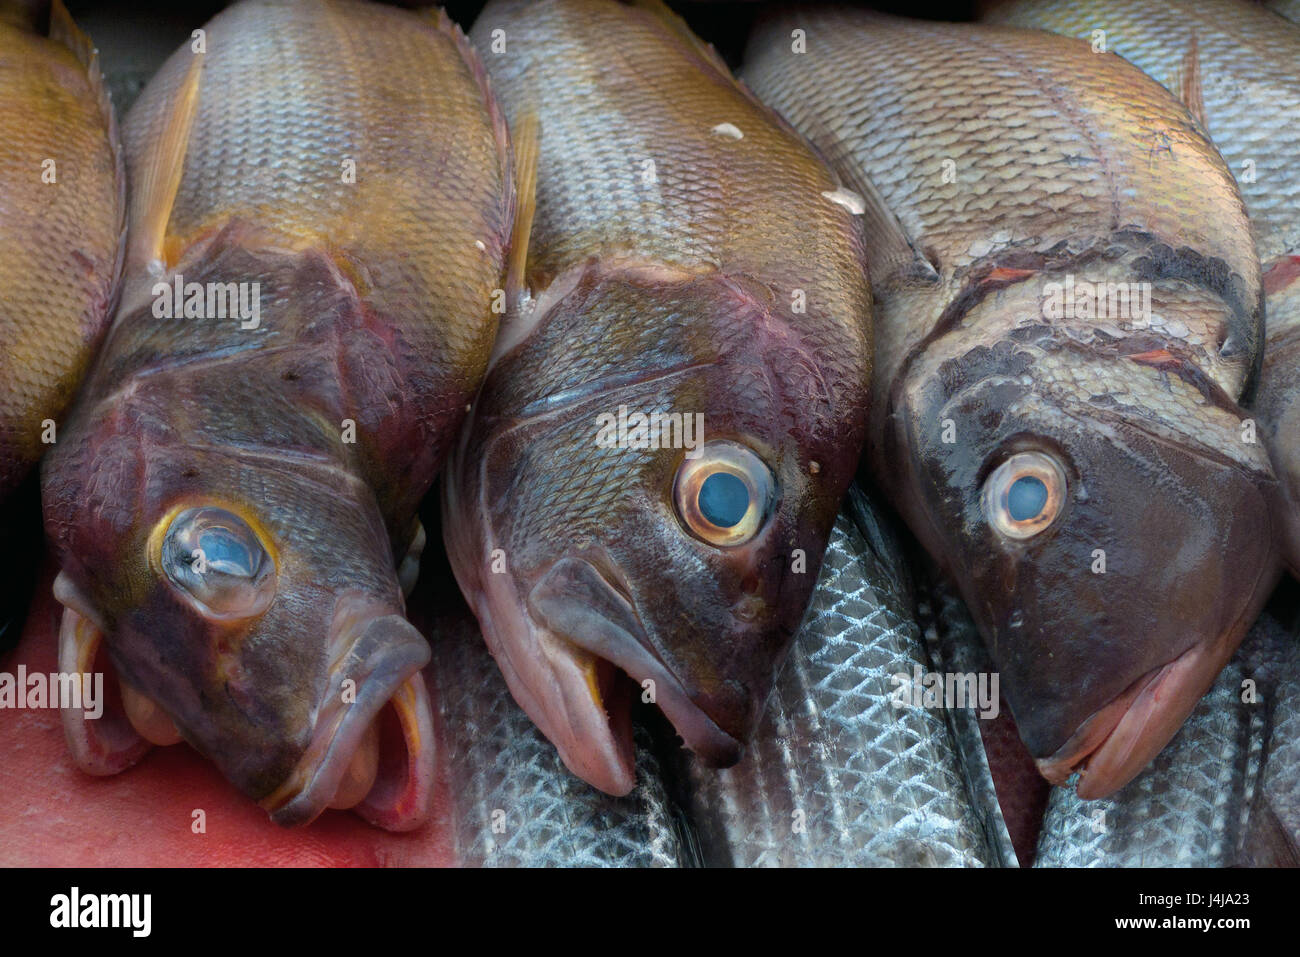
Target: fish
x,y
845,772
691,259
1287,8
62,228
322,198
1237,67
1079,465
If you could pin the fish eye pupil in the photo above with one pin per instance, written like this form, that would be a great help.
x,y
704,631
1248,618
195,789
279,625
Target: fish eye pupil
x,y
724,499
1026,498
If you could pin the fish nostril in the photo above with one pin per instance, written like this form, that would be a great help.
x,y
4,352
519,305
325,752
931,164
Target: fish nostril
x,y
748,609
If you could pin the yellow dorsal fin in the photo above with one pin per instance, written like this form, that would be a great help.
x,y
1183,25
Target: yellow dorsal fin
x,y
159,177
526,140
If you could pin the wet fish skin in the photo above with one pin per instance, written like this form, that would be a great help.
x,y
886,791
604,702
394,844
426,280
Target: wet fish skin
x,y
375,310
668,248
1061,162
1238,67
61,226
838,775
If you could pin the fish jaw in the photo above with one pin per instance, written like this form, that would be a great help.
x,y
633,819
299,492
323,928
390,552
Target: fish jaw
x,y
107,745
561,658
575,601
1114,745
383,666
383,661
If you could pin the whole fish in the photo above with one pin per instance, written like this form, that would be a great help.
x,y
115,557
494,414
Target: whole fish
x,y
62,222
1237,67
321,205
1077,460
846,769
693,261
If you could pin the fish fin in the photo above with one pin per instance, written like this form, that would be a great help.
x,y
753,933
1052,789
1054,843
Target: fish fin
x,y
65,31
891,254
160,175
1186,82
526,139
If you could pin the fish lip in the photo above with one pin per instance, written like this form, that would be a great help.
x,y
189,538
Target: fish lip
x,y
1118,741
1114,743
622,644
387,675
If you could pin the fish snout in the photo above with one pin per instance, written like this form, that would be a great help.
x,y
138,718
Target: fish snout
x,y
371,748
600,653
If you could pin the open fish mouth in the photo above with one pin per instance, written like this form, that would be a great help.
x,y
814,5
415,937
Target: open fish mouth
x,y
373,755
586,662
1113,745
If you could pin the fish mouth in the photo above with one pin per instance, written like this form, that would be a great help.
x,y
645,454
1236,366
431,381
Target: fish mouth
x,y
1115,743
373,755
594,660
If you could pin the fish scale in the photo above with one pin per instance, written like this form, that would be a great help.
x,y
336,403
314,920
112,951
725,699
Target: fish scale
x,y
952,646
497,760
60,248
838,776
995,164
1238,67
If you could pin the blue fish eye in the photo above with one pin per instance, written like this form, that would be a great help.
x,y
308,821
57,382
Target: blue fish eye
x,y
1026,498
723,499
227,554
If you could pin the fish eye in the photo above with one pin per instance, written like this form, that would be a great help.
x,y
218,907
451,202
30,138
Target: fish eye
x,y
724,496
217,560
1024,494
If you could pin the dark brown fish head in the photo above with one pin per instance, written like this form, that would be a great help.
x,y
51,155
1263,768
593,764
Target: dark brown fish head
x,y
246,602
638,512
1110,533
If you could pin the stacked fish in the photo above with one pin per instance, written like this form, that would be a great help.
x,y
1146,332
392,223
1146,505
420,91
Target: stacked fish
x,y
648,323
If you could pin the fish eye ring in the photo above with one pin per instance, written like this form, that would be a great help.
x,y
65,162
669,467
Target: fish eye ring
x,y
218,562
1024,495
725,495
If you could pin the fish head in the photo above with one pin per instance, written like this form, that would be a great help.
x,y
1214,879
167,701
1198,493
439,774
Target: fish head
x,y
1105,513
639,511
247,602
